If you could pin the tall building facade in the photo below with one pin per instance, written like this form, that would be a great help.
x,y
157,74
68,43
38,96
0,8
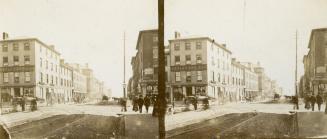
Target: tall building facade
x,y
29,67
200,66
315,61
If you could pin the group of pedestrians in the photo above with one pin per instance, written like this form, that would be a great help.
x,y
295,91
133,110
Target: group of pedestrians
x,y
138,103
311,100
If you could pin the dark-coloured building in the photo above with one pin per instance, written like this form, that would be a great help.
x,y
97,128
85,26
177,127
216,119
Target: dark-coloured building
x,y
315,62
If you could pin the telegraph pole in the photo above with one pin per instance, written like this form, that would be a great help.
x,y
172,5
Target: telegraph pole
x,y
161,71
296,91
124,84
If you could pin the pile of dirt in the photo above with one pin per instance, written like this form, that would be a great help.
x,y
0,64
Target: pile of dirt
x,y
264,125
69,126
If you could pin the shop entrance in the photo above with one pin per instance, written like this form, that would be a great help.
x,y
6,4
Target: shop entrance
x,y
188,91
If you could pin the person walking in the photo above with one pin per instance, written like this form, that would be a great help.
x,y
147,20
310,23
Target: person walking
x,y
295,101
307,102
140,102
123,104
147,103
195,103
135,105
313,101
22,103
319,101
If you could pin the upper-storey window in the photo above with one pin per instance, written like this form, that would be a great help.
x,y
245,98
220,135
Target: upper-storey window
x,y
26,46
198,45
4,48
176,46
15,47
187,46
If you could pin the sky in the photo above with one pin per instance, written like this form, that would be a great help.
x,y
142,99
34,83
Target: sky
x,y
91,31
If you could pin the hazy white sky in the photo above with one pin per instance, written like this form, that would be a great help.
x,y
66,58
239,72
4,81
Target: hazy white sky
x,y
91,31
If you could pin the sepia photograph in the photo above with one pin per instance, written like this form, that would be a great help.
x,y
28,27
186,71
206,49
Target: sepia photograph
x,y
163,69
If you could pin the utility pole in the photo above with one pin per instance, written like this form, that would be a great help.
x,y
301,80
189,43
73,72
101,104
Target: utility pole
x,y
296,91
161,70
124,84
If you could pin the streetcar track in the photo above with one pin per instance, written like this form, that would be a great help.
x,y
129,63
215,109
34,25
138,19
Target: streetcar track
x,y
203,124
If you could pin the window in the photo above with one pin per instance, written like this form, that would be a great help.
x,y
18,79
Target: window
x,y
212,61
51,66
218,77
51,79
166,61
27,46
178,76
15,47
188,76
198,59
6,77
47,78
177,60
5,48
16,77
213,76
27,59
198,45
56,80
46,64
27,76
187,46
40,62
176,47
155,51
155,38
5,61
41,77
16,60
188,59
199,75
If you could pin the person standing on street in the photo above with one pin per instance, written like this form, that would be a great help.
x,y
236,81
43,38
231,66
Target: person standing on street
x,y
313,101
147,103
135,105
140,102
22,103
319,101
307,102
195,103
123,104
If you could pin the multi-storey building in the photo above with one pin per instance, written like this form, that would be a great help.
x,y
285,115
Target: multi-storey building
x,y
237,80
200,66
251,81
66,83
79,83
29,67
315,73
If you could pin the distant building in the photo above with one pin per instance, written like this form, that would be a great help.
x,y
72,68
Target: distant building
x,y
251,81
79,83
315,61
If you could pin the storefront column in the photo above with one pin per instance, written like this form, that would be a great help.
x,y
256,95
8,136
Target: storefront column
x,y
193,90
21,91
184,91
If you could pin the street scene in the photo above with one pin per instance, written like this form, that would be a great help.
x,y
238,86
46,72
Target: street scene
x,y
159,69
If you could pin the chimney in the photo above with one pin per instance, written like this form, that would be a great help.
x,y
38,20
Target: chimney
x,y
177,35
5,35
224,45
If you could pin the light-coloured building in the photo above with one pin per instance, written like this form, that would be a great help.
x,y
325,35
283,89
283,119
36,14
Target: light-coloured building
x,y
251,82
66,83
238,90
29,67
79,83
200,66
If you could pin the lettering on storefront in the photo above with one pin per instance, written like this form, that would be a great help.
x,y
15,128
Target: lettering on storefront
x,y
189,68
17,69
